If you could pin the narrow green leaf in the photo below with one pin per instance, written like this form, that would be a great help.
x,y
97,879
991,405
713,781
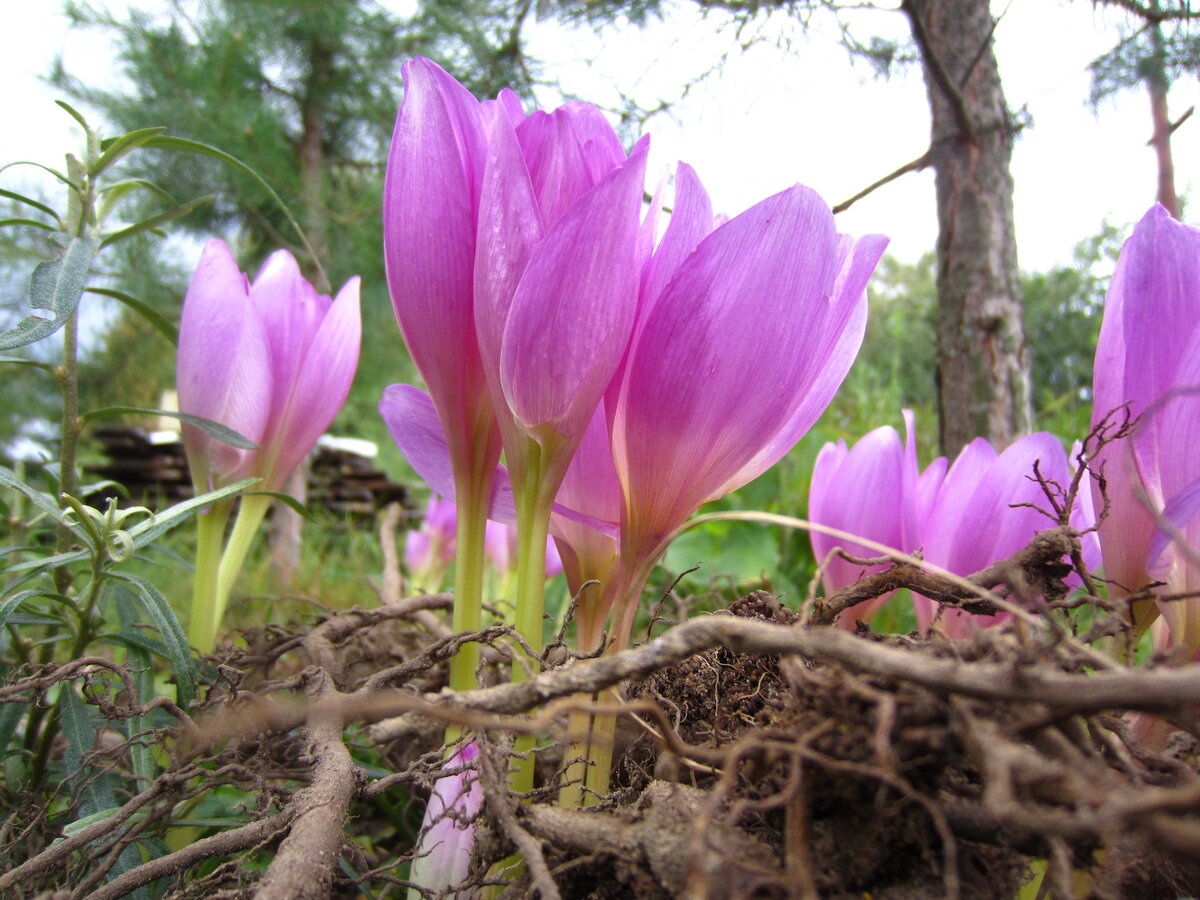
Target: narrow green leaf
x,y
138,638
30,222
29,162
86,490
79,729
118,189
94,788
83,822
142,671
10,716
154,221
28,201
8,608
55,287
40,499
19,361
115,148
291,501
150,530
34,567
163,325
222,433
74,114
179,653
165,142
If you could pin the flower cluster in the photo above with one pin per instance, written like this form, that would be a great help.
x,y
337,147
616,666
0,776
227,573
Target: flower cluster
x,y
546,319
964,516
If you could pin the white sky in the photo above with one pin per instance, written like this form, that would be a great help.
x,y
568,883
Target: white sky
x,y
773,117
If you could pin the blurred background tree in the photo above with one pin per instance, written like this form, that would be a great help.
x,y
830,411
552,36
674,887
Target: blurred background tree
x,y
1157,46
306,94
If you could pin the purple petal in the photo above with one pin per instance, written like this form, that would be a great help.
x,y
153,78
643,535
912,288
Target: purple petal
x,y
590,487
863,492
1179,511
430,209
837,330
573,310
443,855
291,311
223,369
928,487
321,384
510,226
1151,317
1011,482
694,407
569,152
955,528
691,222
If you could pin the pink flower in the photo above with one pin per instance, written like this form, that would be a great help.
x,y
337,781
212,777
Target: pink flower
x,y
512,252
870,490
442,858
745,329
272,359
1148,357
976,518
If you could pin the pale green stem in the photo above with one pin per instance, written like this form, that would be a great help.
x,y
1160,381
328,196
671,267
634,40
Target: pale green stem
x,y
210,536
467,614
604,728
245,528
589,628
533,527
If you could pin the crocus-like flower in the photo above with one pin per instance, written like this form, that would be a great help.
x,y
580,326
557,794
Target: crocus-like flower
x,y
976,518
442,857
868,490
1148,357
744,332
272,359
514,248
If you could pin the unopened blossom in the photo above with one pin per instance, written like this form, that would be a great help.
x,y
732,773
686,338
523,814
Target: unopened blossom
x,y
1148,367
270,358
983,512
745,329
514,247
442,857
869,490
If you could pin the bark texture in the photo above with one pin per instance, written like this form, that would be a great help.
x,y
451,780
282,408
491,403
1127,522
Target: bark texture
x,y
1157,84
983,366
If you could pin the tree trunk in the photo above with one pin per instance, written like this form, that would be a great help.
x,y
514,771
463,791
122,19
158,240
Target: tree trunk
x,y
983,367
1156,82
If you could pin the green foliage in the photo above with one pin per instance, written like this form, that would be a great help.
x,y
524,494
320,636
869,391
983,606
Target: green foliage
x,y
1063,309
306,92
68,592
1145,51
895,367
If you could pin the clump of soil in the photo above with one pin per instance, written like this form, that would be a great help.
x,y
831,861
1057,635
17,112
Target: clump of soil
x,y
804,747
